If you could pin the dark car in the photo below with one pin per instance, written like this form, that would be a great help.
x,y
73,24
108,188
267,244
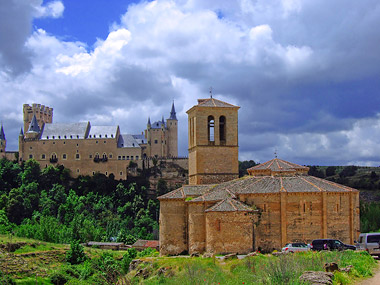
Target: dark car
x,y
330,244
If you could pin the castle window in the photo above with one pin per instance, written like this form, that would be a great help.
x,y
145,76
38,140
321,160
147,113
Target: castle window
x,y
71,137
30,148
111,136
110,155
90,136
119,157
123,157
155,141
93,173
47,137
53,142
106,173
137,157
211,129
105,135
64,142
77,144
131,157
65,137
97,142
121,173
104,156
105,141
53,137
30,155
97,155
94,136
222,129
43,156
64,156
100,136
59,137
127,157
90,156
77,156
78,170
77,137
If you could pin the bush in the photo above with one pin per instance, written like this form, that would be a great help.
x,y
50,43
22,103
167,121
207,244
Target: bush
x,y
148,252
58,278
76,253
127,258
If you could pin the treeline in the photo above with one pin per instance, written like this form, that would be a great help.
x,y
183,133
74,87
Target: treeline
x,y
50,205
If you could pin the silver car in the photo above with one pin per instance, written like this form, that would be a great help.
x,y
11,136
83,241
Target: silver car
x,y
295,247
369,242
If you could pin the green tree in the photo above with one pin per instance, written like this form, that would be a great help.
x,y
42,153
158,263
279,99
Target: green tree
x,y
76,253
330,171
31,172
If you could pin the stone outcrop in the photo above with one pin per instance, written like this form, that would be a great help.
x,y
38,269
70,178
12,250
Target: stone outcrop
x,y
317,277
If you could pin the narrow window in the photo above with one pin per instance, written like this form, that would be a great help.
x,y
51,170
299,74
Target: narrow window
x,y
30,155
127,157
123,157
43,156
104,156
137,157
77,156
64,156
211,126
119,157
121,173
222,129
131,157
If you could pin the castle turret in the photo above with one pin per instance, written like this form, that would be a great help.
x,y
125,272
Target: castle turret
x,y
43,115
3,140
172,136
34,129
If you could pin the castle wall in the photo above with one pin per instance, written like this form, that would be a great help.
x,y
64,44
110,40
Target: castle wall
x,y
229,232
172,138
43,114
173,227
118,159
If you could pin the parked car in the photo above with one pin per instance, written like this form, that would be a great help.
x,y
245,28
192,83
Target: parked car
x,y
330,244
369,242
295,247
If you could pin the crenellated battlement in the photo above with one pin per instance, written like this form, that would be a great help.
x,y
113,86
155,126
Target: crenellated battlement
x,y
44,114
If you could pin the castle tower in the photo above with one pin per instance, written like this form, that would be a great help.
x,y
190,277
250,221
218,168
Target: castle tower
x,y
148,138
3,140
172,136
43,115
213,142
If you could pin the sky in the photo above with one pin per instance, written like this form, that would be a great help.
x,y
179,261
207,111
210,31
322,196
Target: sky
x,y
306,74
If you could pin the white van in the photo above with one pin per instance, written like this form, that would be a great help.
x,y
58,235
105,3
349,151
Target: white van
x,y
369,242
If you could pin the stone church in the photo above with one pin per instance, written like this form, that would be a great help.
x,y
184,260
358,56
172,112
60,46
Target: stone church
x,y
275,204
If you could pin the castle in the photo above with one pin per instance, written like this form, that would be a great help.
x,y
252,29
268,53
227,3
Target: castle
x,y
275,204
86,149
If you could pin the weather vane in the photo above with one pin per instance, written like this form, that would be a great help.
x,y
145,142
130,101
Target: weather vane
x,y
275,153
210,92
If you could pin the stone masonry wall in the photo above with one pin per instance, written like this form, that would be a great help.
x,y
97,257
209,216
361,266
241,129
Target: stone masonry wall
x,y
197,227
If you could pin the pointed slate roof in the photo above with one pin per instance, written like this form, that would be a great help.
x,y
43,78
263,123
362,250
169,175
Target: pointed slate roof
x,y
21,132
2,134
173,113
34,127
212,102
148,120
230,205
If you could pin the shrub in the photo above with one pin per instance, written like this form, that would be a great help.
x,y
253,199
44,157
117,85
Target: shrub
x,y
76,253
58,278
148,252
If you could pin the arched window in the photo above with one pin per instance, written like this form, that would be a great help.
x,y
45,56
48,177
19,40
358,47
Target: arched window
x,y
222,130
211,129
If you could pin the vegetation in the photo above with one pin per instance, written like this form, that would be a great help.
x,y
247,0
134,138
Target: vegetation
x,y
51,206
46,263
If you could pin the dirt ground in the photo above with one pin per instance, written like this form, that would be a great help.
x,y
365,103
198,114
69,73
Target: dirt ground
x,y
375,280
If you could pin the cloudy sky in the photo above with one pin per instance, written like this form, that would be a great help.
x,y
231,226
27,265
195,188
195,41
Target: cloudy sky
x,y
305,73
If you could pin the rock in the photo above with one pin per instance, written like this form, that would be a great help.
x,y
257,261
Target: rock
x,y
134,263
195,254
317,277
254,253
278,253
230,256
144,273
208,255
166,271
346,269
331,267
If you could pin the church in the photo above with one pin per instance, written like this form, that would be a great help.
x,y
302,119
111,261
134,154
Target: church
x,y
277,203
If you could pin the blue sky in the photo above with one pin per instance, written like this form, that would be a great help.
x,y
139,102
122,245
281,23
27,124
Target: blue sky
x,y
305,73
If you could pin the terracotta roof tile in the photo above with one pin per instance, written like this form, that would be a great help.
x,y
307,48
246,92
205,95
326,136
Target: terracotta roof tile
x,y
212,102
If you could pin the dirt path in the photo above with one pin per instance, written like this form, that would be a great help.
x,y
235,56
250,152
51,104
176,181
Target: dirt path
x,y
375,280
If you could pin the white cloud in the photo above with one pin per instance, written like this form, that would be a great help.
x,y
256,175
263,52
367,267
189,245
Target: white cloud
x,y
53,9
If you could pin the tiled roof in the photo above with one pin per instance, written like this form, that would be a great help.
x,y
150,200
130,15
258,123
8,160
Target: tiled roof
x,y
212,102
140,139
126,140
157,125
103,132
229,205
186,191
65,131
152,243
277,165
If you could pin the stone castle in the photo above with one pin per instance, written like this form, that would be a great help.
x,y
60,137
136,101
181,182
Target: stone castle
x,y
86,149
275,204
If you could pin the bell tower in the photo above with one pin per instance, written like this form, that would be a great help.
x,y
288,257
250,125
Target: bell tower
x,y
213,142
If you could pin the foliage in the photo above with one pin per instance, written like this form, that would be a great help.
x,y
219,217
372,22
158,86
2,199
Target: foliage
x,y
348,171
369,217
244,165
330,171
76,253
314,171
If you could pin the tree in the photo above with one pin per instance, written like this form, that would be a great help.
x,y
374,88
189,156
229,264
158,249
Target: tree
x,y
76,253
244,165
330,171
161,187
348,171
314,171
31,172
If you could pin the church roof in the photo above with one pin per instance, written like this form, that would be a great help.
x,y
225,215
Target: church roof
x,y
2,134
277,165
229,205
103,131
65,130
186,191
212,102
126,140
33,127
